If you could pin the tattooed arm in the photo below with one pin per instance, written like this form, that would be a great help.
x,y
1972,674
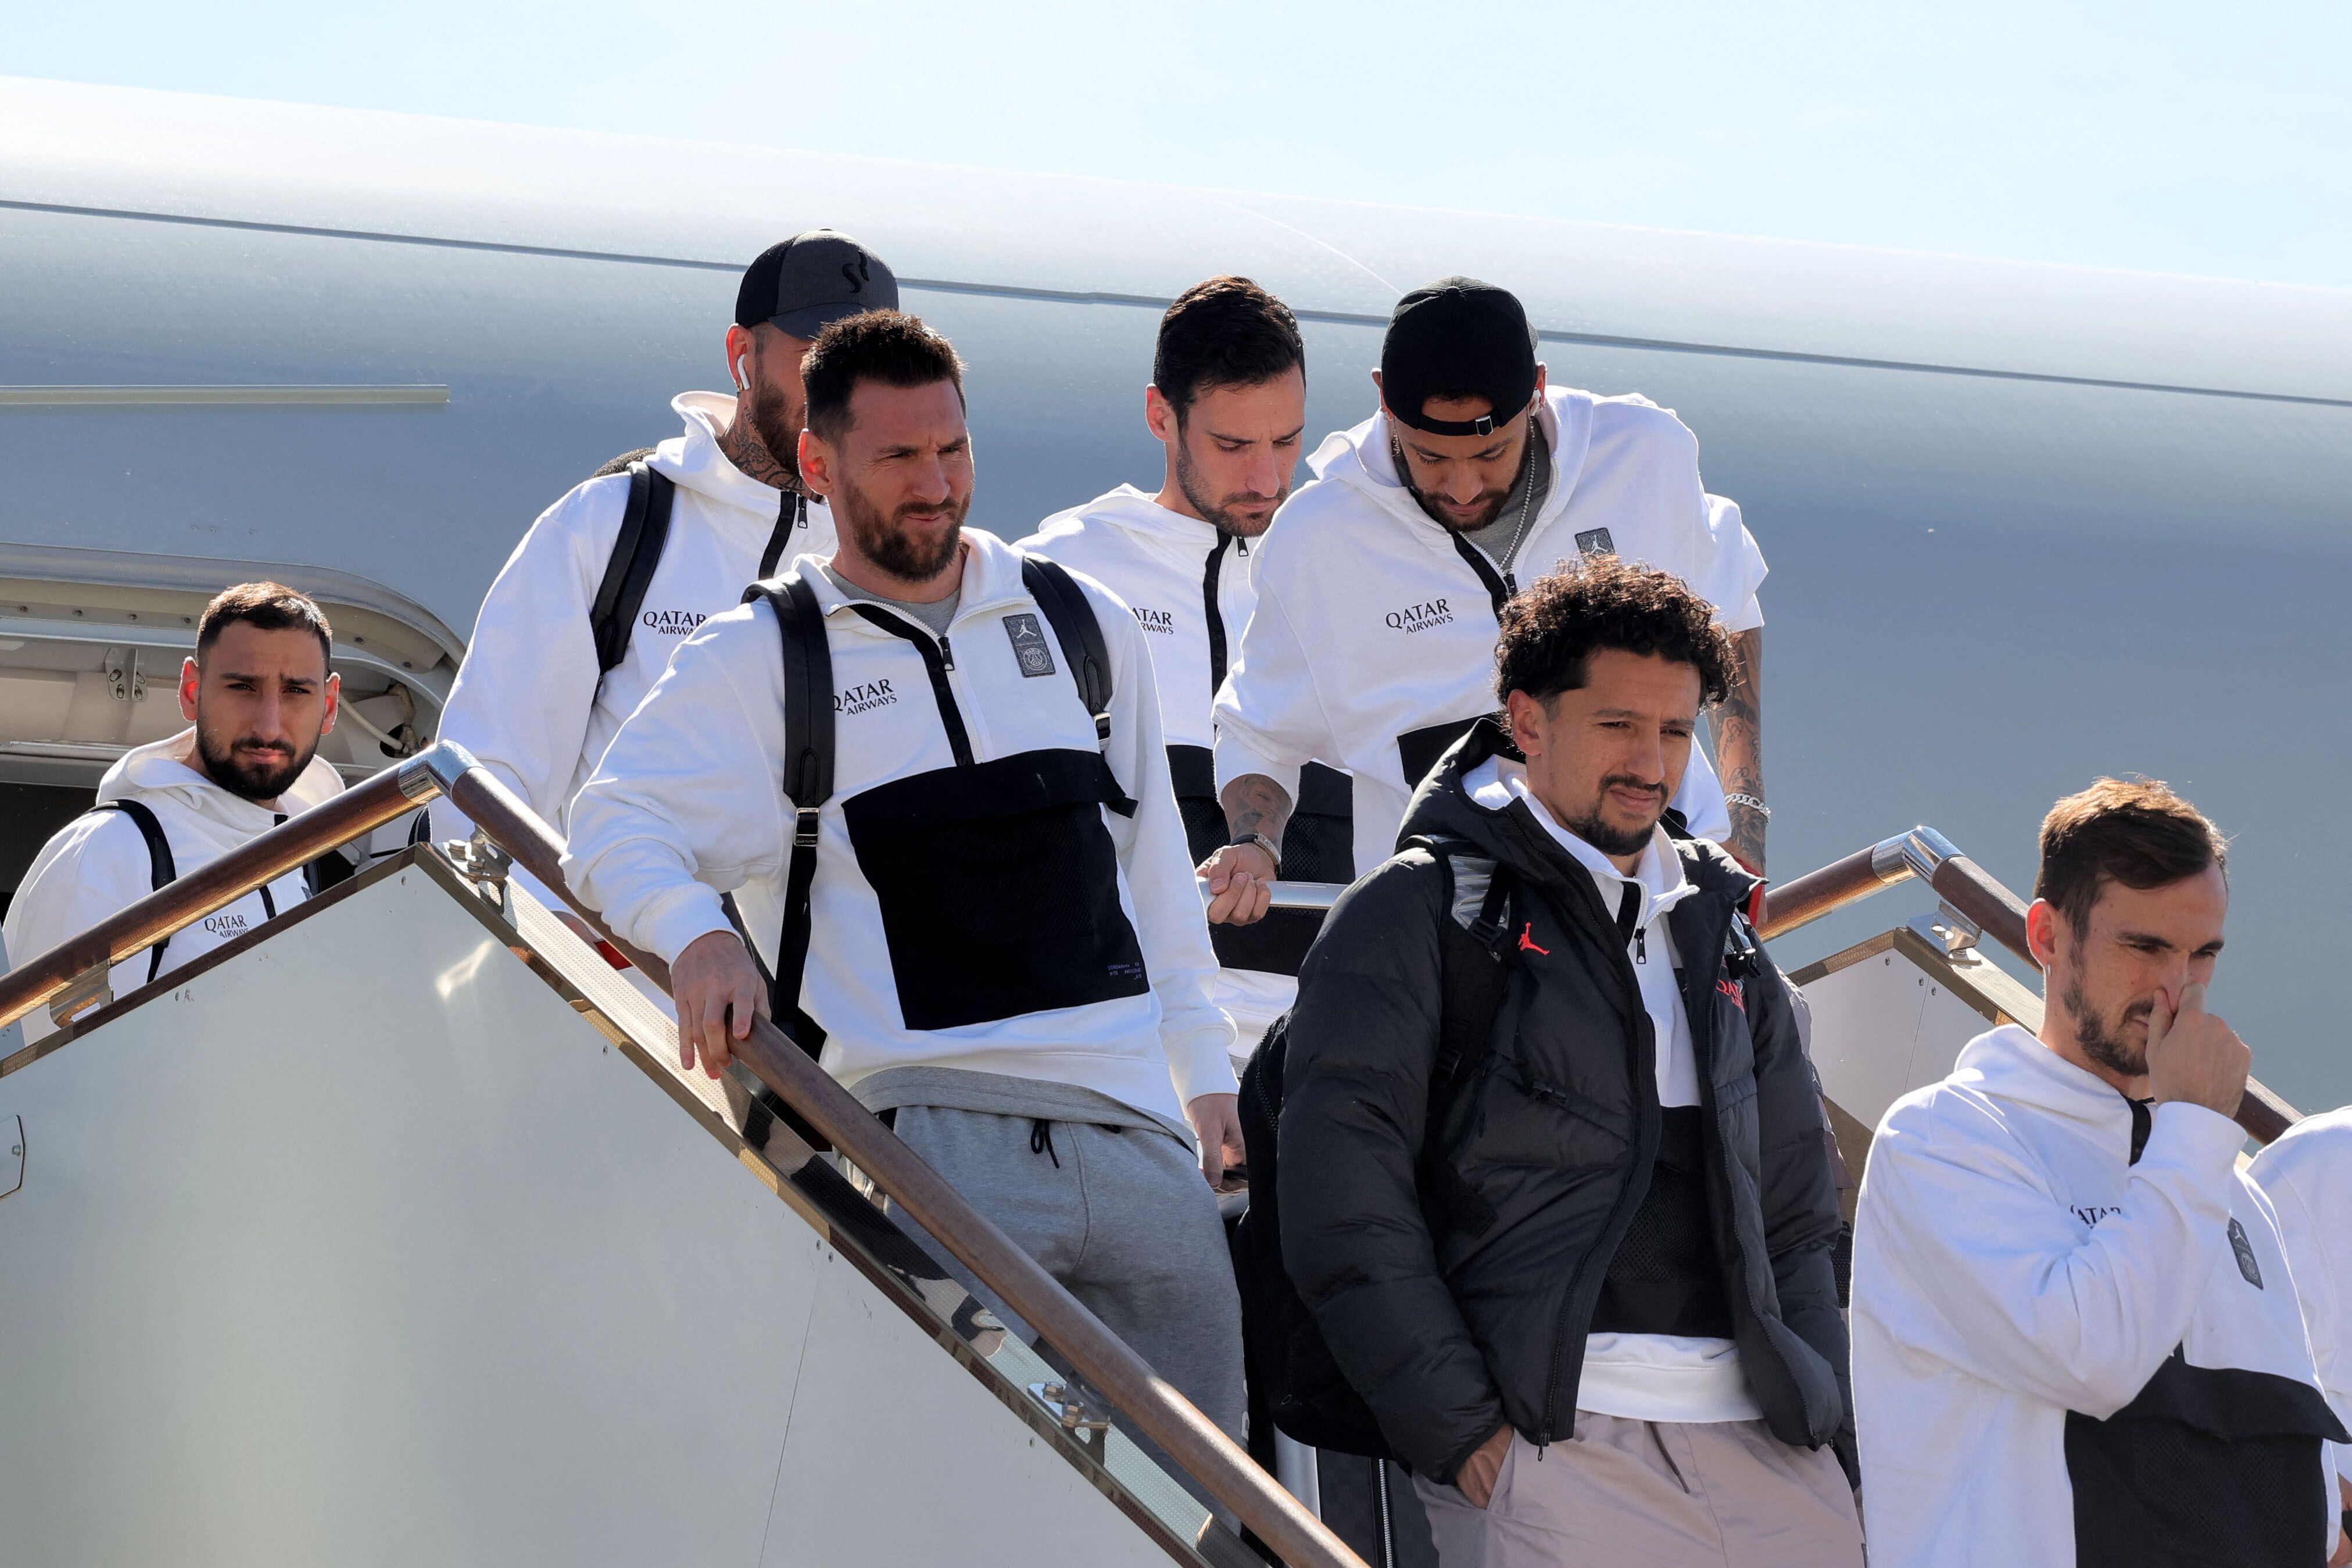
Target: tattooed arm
x,y
1740,746
1241,876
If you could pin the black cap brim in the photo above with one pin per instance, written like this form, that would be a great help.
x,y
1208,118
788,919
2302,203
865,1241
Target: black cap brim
x,y
808,323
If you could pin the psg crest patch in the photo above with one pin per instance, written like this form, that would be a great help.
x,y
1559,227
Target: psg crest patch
x,y
2245,1251
1596,542
1029,645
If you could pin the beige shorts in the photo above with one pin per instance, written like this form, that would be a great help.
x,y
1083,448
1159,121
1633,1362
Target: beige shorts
x,y
1653,1494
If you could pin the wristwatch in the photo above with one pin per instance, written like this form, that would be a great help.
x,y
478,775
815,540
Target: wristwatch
x,y
1272,850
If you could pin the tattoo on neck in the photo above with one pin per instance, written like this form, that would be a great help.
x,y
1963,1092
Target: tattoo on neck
x,y
751,457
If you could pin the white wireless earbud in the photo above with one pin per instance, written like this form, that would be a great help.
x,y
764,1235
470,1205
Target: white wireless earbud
x,y
742,376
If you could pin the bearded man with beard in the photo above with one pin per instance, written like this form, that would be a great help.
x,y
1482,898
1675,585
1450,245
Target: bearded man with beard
x,y
2076,1339
1382,583
612,578
1571,1246
1228,404
985,924
258,695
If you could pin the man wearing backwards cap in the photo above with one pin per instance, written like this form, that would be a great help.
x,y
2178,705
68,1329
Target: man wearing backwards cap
x,y
1372,646
539,695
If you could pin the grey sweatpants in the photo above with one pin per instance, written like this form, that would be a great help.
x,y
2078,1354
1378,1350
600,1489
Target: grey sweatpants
x,y
1122,1218
1653,1494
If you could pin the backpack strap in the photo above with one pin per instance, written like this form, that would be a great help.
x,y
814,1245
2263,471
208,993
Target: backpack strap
x,y
162,870
1075,627
808,784
636,550
1475,955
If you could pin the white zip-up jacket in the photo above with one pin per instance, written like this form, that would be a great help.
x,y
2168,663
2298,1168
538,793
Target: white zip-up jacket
x,y
924,894
528,703
2307,1176
97,865
2011,1265
1191,588
1374,637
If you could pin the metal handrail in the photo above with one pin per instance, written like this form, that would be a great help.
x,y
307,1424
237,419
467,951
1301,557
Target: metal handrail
x,y
1925,855
1098,1356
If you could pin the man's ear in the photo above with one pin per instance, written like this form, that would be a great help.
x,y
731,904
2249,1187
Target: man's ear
x,y
335,690
188,678
1540,378
2042,933
816,463
1527,723
1159,417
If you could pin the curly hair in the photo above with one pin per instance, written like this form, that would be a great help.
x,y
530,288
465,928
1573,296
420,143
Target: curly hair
x,y
2136,832
1555,625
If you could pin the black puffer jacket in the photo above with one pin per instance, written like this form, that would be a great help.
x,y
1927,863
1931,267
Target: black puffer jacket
x,y
1454,1270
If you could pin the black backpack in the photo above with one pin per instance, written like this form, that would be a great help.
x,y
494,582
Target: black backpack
x,y
1284,1353
809,745
638,549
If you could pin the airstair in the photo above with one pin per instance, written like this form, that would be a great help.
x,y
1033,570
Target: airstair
x,y
392,1234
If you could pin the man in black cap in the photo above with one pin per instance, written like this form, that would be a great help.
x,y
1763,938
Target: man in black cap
x,y
581,622
1381,583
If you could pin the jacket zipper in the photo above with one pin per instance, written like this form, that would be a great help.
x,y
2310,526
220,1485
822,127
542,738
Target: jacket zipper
x,y
939,658
1501,586
1584,1284
1216,617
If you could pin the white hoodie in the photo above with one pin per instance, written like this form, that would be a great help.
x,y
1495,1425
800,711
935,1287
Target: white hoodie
x,y
2307,1175
97,865
528,702
1159,562
1370,626
2011,1265
688,803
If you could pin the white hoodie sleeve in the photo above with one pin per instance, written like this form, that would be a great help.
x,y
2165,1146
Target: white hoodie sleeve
x,y
93,868
1269,715
1172,925
1985,1270
686,803
524,694
1727,568
2307,1178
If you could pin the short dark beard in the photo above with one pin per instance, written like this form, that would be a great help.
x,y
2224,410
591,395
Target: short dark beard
x,y
891,546
1607,839
258,781
1493,500
1217,516
2100,1042
778,427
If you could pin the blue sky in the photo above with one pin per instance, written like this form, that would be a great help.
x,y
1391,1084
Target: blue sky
x,y
2165,137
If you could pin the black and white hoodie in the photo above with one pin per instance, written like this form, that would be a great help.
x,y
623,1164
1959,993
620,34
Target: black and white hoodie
x,y
1191,588
995,890
2075,1337
1372,648
529,704
97,866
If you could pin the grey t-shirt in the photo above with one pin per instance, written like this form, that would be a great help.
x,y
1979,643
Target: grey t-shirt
x,y
936,615
1501,538
1000,1094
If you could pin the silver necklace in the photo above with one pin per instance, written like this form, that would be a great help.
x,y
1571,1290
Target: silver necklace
x,y
1526,497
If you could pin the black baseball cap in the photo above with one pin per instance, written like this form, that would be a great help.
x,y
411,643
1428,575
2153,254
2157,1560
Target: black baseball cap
x,y
804,284
1458,337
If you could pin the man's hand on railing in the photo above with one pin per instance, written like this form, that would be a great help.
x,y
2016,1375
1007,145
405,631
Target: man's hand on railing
x,y
1240,879
1216,1121
717,989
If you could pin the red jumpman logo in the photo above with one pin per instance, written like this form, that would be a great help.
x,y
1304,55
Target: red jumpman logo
x,y
1527,941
